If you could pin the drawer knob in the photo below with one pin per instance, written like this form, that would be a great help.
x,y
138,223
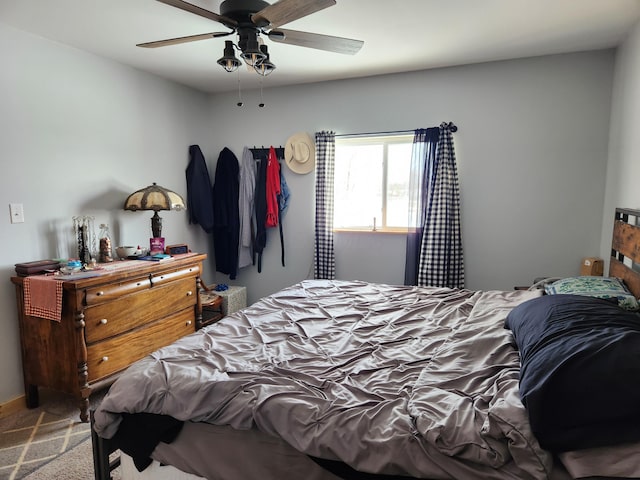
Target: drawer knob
x,y
189,293
188,322
105,359
103,321
100,293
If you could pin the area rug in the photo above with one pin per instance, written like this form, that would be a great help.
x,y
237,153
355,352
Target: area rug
x,y
48,442
75,464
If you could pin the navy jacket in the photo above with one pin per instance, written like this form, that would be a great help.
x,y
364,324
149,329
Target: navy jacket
x,y
199,194
226,230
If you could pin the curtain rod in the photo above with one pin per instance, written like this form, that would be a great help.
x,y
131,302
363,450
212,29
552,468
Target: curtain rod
x,y
453,127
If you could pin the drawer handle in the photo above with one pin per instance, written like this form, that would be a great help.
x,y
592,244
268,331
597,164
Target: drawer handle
x,y
188,322
189,293
105,359
100,293
103,321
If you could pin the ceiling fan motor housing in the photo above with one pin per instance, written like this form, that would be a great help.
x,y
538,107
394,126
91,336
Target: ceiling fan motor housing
x,y
242,10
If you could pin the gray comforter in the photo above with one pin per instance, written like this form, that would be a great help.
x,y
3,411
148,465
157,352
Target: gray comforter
x,y
412,381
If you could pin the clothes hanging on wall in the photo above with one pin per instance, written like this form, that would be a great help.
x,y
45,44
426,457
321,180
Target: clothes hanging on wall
x,y
271,198
199,195
283,203
272,188
226,214
260,202
245,206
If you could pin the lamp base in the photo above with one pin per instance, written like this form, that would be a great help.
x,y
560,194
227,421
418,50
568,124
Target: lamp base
x,y
156,245
156,225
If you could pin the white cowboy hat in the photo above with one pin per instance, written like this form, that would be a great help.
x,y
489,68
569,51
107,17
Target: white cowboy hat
x,y
300,153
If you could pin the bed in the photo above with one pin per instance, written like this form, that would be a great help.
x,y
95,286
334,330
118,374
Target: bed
x,y
345,379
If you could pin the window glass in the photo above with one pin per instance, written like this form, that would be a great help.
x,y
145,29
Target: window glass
x,y
398,185
371,184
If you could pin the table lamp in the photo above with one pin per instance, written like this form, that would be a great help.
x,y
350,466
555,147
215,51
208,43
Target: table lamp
x,y
156,198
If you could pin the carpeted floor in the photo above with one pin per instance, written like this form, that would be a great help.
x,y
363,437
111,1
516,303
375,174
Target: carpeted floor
x,y
47,442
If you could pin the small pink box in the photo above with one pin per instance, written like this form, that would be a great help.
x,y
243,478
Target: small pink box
x,y
156,245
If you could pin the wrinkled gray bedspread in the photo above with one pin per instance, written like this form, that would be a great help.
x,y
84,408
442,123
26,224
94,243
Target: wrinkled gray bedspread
x,y
389,379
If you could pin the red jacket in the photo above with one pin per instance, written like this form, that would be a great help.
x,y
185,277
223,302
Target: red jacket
x,y
273,188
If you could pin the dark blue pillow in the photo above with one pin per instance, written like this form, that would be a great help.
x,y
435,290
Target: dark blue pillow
x,y
580,370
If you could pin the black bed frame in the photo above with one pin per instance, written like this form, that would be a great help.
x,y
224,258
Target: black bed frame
x,y
102,449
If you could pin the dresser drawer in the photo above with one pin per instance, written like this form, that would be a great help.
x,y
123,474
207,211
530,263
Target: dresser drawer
x,y
115,354
165,277
109,292
136,309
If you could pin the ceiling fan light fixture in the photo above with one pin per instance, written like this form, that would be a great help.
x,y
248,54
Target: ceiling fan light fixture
x,y
229,61
265,67
251,52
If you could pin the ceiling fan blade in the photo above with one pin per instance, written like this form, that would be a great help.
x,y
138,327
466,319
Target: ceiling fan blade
x,y
189,7
286,11
178,40
347,46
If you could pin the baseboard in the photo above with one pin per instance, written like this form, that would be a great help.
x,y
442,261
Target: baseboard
x,y
13,406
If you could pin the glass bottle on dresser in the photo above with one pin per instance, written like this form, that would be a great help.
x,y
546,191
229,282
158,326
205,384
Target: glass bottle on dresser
x,y
105,252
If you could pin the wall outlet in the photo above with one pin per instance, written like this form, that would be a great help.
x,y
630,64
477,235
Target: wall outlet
x,y
16,211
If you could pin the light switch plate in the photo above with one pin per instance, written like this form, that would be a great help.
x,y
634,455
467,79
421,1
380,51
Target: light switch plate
x,y
16,211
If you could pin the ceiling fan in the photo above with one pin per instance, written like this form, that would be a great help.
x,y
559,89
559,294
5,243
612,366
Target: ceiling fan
x,y
251,18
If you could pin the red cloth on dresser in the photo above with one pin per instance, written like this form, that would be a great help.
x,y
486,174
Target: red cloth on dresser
x,y
43,297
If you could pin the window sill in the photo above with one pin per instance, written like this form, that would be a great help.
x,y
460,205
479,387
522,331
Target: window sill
x,y
393,231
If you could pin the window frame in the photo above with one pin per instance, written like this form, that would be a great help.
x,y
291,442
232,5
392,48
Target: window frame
x,y
375,139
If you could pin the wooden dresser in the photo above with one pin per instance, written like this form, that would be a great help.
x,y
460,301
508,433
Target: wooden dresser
x,y
108,322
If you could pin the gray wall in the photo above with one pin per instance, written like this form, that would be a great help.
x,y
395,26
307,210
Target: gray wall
x,y
623,169
531,150
78,133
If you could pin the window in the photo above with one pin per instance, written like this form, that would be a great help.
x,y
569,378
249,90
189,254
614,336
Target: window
x,y
371,183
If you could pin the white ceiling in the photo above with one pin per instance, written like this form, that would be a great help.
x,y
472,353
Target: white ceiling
x,y
400,35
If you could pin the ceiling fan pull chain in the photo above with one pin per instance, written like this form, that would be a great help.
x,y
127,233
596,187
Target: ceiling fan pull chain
x,y
239,91
261,104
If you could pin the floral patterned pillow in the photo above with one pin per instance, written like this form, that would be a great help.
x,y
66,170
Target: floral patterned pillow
x,y
600,287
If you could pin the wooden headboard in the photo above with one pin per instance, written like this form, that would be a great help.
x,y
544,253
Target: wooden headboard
x,y
625,249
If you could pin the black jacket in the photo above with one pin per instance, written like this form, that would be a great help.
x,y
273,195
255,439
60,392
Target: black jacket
x,y
199,194
226,230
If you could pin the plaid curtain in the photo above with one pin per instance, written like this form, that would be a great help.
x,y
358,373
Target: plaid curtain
x,y
324,265
441,258
434,242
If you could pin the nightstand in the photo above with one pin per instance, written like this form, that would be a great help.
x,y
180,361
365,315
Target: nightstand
x,y
233,299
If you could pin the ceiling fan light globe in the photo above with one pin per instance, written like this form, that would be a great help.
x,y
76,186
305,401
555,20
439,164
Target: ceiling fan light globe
x,y
253,58
229,64
265,68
